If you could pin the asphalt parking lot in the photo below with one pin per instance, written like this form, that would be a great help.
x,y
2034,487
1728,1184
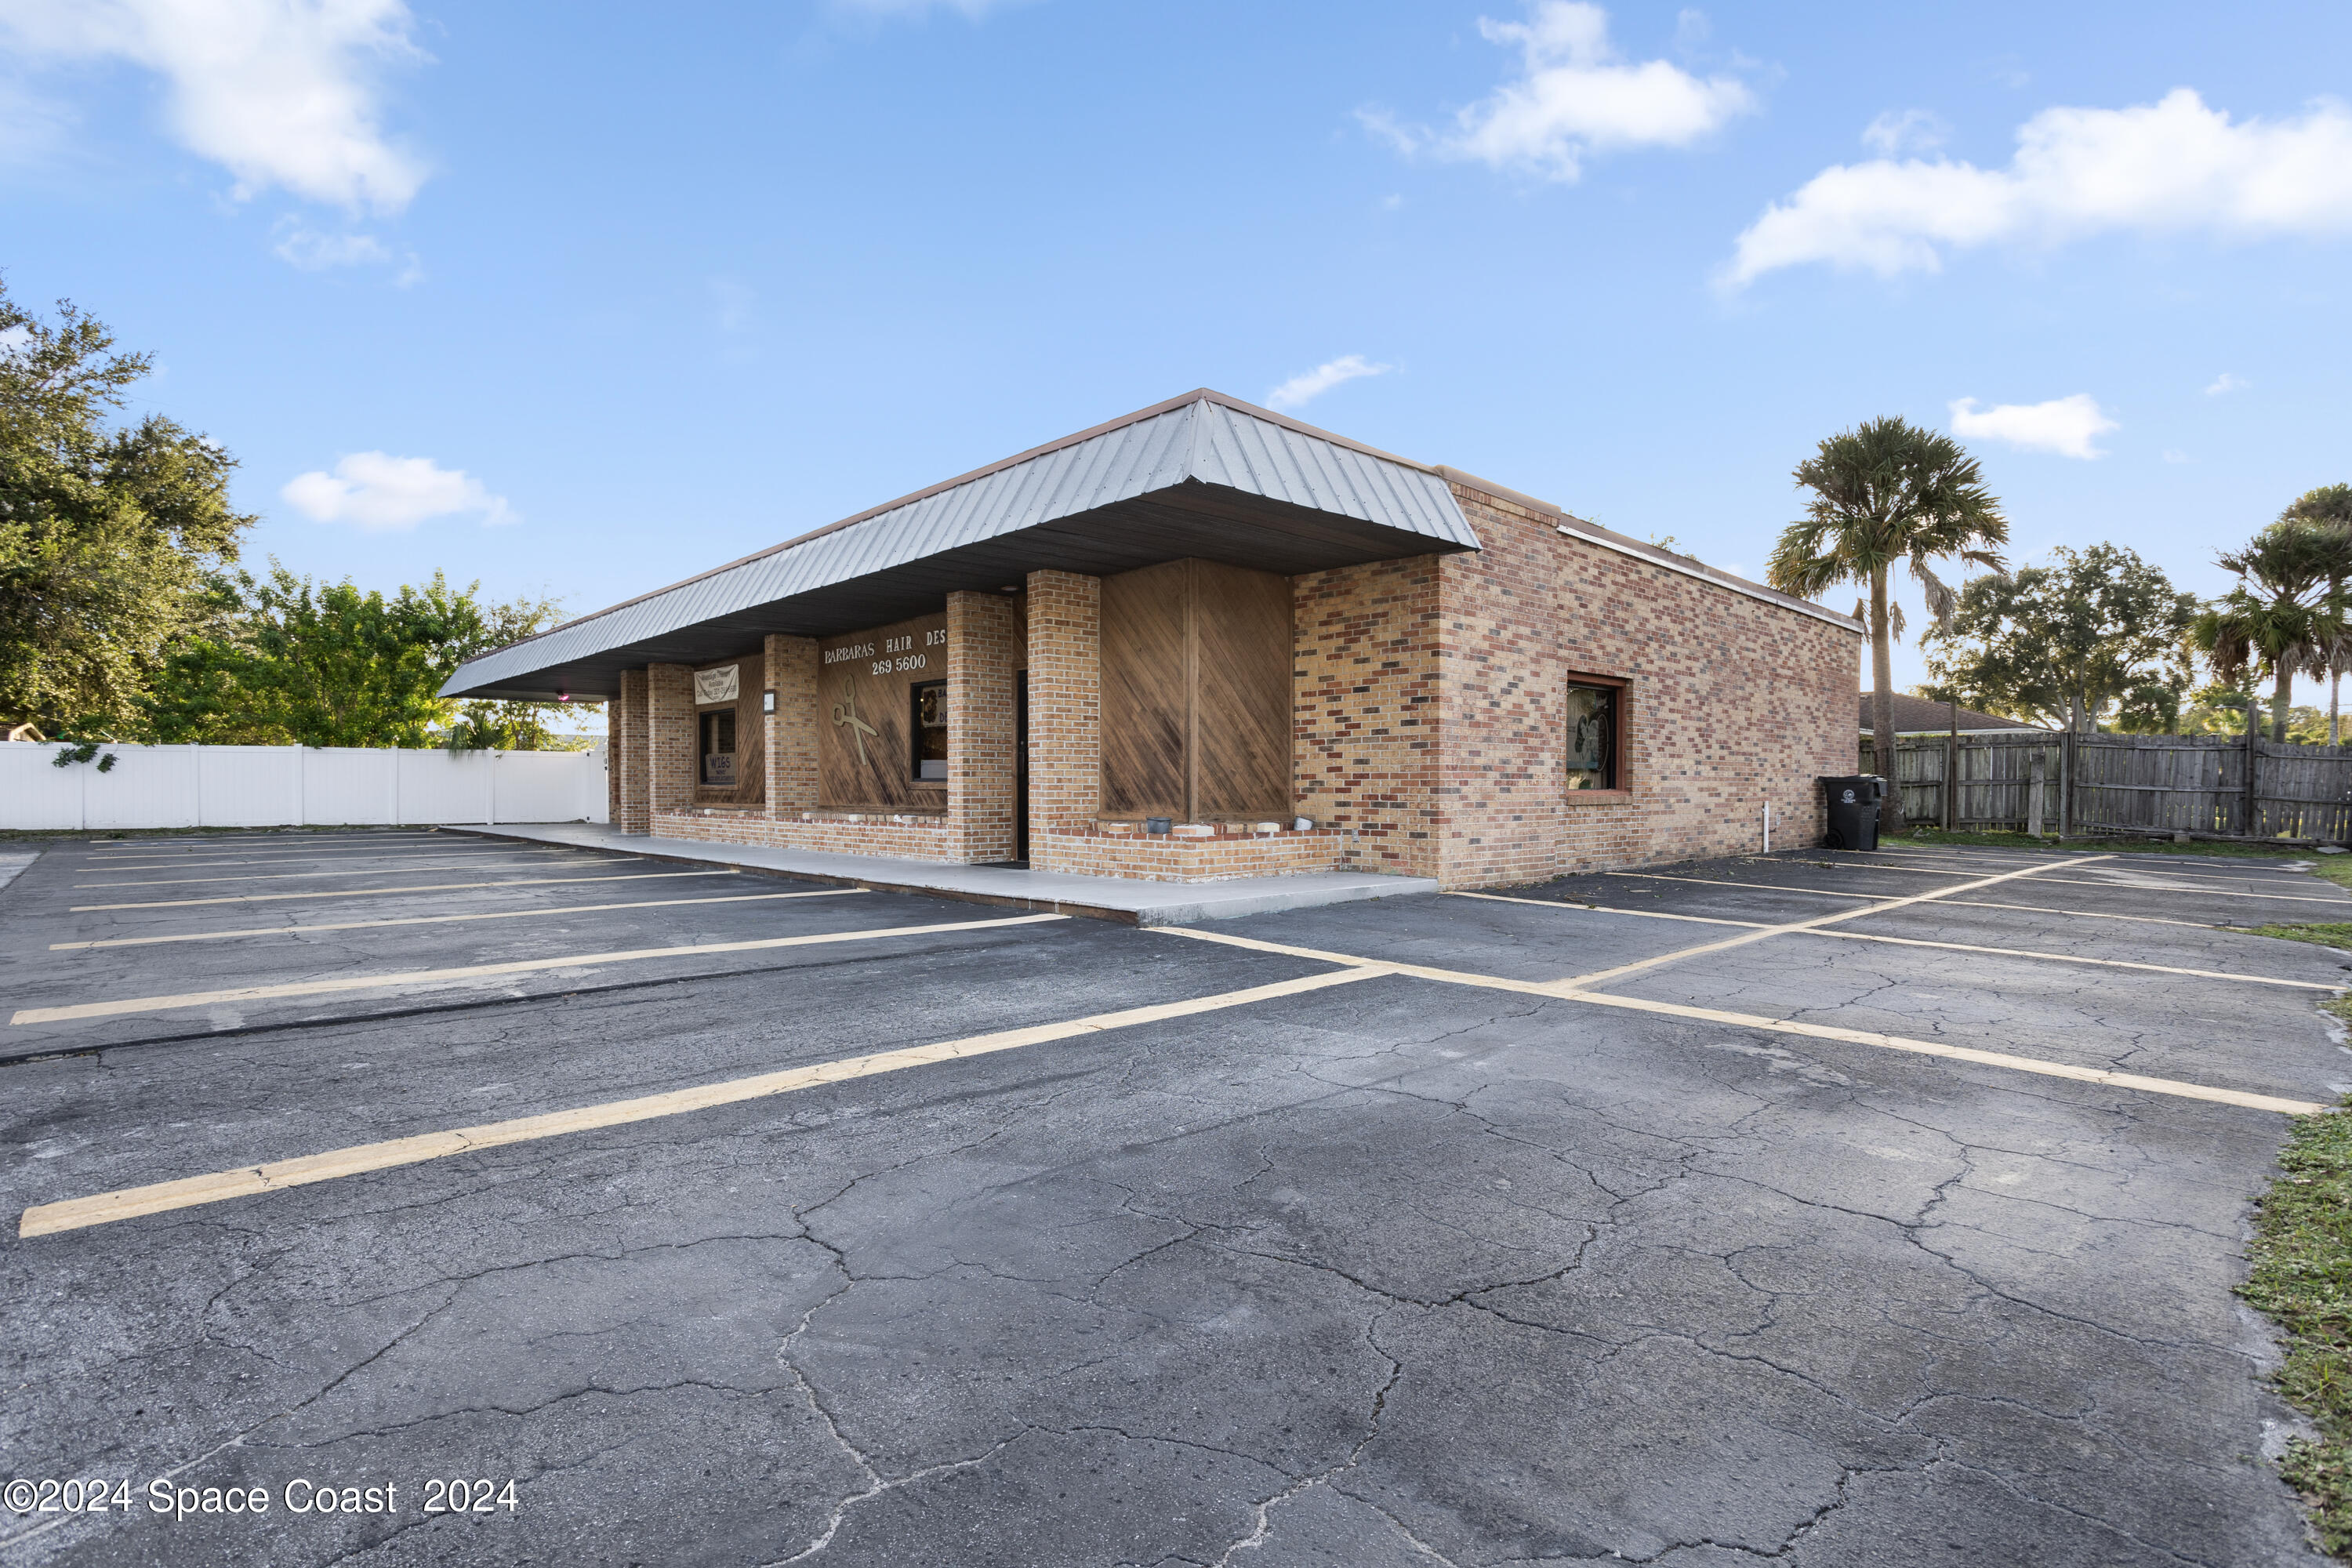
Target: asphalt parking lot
x,y
1814,1208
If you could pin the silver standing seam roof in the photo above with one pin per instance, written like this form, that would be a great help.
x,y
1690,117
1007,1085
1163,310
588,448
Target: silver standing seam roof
x,y
1202,475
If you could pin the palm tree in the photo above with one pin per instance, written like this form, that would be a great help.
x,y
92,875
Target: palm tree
x,y
2330,508
1884,492
2283,617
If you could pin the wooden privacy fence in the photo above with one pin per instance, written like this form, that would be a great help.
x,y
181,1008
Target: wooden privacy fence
x,y
2130,784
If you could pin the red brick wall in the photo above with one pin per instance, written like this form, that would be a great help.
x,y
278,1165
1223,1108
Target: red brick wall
x,y
670,741
1065,710
979,727
1429,711
628,761
792,728
1159,858
1364,692
916,838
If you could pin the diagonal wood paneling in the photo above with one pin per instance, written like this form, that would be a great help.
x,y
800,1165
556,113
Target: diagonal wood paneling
x,y
1143,692
1241,692
865,753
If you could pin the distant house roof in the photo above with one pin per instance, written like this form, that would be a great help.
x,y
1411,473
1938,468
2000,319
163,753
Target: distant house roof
x,y
1918,715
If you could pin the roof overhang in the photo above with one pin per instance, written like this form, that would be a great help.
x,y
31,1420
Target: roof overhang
x,y
1202,475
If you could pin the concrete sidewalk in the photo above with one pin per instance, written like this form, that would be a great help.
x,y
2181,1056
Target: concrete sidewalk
x,y
1121,898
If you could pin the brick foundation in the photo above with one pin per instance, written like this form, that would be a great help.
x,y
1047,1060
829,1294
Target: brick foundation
x,y
923,838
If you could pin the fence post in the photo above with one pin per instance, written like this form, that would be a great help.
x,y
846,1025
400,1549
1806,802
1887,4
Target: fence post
x,y
2037,776
1951,765
2253,751
2068,753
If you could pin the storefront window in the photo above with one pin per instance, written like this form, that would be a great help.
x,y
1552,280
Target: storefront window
x,y
931,730
1591,737
718,748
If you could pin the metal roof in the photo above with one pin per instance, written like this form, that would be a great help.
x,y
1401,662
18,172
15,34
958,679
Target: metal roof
x,y
1201,475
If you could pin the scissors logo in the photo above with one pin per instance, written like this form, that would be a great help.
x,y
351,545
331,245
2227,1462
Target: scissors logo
x,y
846,712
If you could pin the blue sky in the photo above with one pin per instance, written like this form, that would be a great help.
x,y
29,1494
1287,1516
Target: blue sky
x,y
581,299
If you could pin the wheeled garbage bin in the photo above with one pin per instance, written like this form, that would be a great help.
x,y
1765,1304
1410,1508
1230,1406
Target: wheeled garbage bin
x,y
1853,810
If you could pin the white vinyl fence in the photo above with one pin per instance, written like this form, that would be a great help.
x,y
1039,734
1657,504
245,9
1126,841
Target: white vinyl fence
x,y
277,787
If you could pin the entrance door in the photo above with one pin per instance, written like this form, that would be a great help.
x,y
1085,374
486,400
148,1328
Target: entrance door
x,y
1020,766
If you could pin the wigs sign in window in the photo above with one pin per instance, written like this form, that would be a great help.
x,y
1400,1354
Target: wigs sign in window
x,y
1592,737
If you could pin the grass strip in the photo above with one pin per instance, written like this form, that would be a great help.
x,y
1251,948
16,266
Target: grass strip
x,y
2125,845
2326,933
2302,1279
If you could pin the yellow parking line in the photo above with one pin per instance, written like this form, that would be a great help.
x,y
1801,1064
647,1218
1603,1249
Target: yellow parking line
x,y
347,871
412,855
478,972
73,1213
2068,881
378,892
1606,910
2077,958
443,920
2083,914
1570,991
2174,886
264,840
1751,887
1947,946
1767,932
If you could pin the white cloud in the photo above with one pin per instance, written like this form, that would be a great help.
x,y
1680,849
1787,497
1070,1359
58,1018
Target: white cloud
x,y
2225,384
1302,390
302,246
2066,426
1574,96
280,92
1914,131
2171,166
2173,457
381,494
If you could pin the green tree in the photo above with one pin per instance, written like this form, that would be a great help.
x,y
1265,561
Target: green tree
x,y
1883,493
481,726
2283,618
2099,628
2330,508
281,660
107,532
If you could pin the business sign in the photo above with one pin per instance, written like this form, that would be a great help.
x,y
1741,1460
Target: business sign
x,y
719,685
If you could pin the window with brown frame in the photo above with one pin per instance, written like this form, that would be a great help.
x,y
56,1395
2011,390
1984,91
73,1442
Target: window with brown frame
x,y
930,731
1596,717
719,747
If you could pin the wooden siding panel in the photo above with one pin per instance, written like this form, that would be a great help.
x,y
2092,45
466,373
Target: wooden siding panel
x,y
1143,692
1241,692
751,785
865,711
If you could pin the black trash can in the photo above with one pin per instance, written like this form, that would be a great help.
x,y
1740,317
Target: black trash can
x,y
1853,810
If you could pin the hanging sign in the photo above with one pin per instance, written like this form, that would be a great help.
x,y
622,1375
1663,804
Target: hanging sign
x,y
719,685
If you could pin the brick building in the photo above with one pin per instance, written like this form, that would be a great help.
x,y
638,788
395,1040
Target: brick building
x,y
1207,641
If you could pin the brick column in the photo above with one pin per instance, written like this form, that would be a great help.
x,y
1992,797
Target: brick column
x,y
627,759
670,741
792,728
979,727
1065,708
